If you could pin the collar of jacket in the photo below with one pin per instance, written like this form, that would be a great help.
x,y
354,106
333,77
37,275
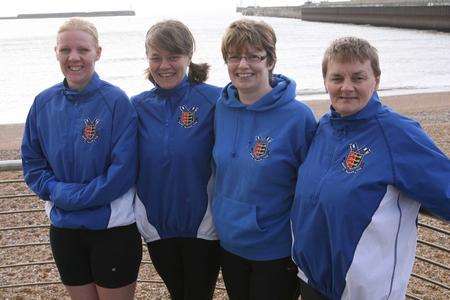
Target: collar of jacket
x,y
368,112
176,91
88,90
283,91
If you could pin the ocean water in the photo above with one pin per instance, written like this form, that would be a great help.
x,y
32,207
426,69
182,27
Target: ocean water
x,y
411,60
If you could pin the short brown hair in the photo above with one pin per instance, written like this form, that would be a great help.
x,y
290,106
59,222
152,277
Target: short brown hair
x,y
80,24
245,32
350,49
175,37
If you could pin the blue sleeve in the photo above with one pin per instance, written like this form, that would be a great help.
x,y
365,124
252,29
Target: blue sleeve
x,y
117,179
36,169
421,170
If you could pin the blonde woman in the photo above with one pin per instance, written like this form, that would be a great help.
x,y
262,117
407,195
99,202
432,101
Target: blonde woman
x,y
79,156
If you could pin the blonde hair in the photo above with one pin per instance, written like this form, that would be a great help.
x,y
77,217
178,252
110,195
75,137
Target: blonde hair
x,y
350,49
245,32
80,24
175,37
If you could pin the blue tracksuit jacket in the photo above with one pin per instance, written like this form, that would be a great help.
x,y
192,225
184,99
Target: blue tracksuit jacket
x,y
79,154
357,199
175,143
257,152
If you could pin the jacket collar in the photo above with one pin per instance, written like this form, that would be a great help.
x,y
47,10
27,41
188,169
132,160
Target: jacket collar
x,y
177,91
89,89
368,112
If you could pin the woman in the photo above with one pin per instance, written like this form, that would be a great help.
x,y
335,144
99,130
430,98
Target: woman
x,y
175,139
262,136
359,191
79,155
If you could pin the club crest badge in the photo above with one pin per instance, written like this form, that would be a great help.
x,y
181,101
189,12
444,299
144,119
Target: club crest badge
x,y
188,116
90,133
261,149
354,161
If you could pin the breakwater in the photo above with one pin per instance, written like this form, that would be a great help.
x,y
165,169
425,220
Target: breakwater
x,y
74,14
430,17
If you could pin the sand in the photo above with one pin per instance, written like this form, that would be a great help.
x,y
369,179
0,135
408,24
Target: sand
x,y
431,110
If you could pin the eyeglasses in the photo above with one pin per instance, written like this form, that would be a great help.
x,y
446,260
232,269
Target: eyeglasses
x,y
251,58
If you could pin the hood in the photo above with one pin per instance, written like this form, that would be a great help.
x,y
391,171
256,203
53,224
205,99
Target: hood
x,y
283,91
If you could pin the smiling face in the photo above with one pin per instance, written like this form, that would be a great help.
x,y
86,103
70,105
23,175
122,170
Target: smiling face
x,y
350,85
167,69
250,77
77,52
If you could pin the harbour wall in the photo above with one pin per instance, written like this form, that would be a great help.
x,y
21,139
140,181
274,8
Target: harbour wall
x,y
435,17
73,14
294,12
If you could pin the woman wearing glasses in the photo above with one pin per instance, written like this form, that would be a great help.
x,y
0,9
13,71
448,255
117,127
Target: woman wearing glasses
x,y
262,136
175,140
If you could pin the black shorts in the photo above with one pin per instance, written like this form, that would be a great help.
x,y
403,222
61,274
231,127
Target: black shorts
x,y
109,258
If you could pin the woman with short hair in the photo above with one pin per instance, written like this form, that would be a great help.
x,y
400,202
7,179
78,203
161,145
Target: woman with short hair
x,y
359,190
262,136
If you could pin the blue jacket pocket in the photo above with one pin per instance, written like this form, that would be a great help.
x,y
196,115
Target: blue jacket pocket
x,y
236,223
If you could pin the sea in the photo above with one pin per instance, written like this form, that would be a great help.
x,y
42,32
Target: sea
x,y
412,61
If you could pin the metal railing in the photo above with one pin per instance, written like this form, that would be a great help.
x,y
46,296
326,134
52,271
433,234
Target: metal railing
x,y
22,196
15,166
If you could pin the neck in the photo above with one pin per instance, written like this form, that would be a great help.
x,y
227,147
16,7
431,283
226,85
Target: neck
x,y
248,98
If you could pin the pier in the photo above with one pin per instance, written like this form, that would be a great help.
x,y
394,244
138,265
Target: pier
x,y
416,15
113,13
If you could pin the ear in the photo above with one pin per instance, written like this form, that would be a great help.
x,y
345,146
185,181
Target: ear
x,y
271,66
377,82
99,53
56,51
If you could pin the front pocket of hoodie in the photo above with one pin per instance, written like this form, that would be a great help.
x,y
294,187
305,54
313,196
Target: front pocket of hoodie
x,y
236,222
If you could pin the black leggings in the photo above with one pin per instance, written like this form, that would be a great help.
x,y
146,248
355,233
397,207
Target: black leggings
x,y
260,280
309,293
188,266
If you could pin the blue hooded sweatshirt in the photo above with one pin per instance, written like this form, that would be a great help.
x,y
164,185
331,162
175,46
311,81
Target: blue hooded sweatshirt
x,y
175,140
79,154
257,152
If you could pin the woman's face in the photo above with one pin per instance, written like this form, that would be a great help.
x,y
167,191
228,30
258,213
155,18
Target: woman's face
x,y
167,69
350,85
77,53
249,71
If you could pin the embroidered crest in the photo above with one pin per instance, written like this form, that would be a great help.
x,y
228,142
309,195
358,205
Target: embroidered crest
x,y
89,133
188,116
353,162
260,149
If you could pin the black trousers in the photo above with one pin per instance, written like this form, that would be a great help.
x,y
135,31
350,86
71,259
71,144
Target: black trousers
x,y
309,293
249,279
188,266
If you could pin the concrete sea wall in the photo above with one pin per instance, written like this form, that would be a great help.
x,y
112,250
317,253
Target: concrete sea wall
x,y
417,17
433,17
73,14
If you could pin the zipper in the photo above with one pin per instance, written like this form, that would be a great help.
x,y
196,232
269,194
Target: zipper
x,y
167,115
236,134
330,166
